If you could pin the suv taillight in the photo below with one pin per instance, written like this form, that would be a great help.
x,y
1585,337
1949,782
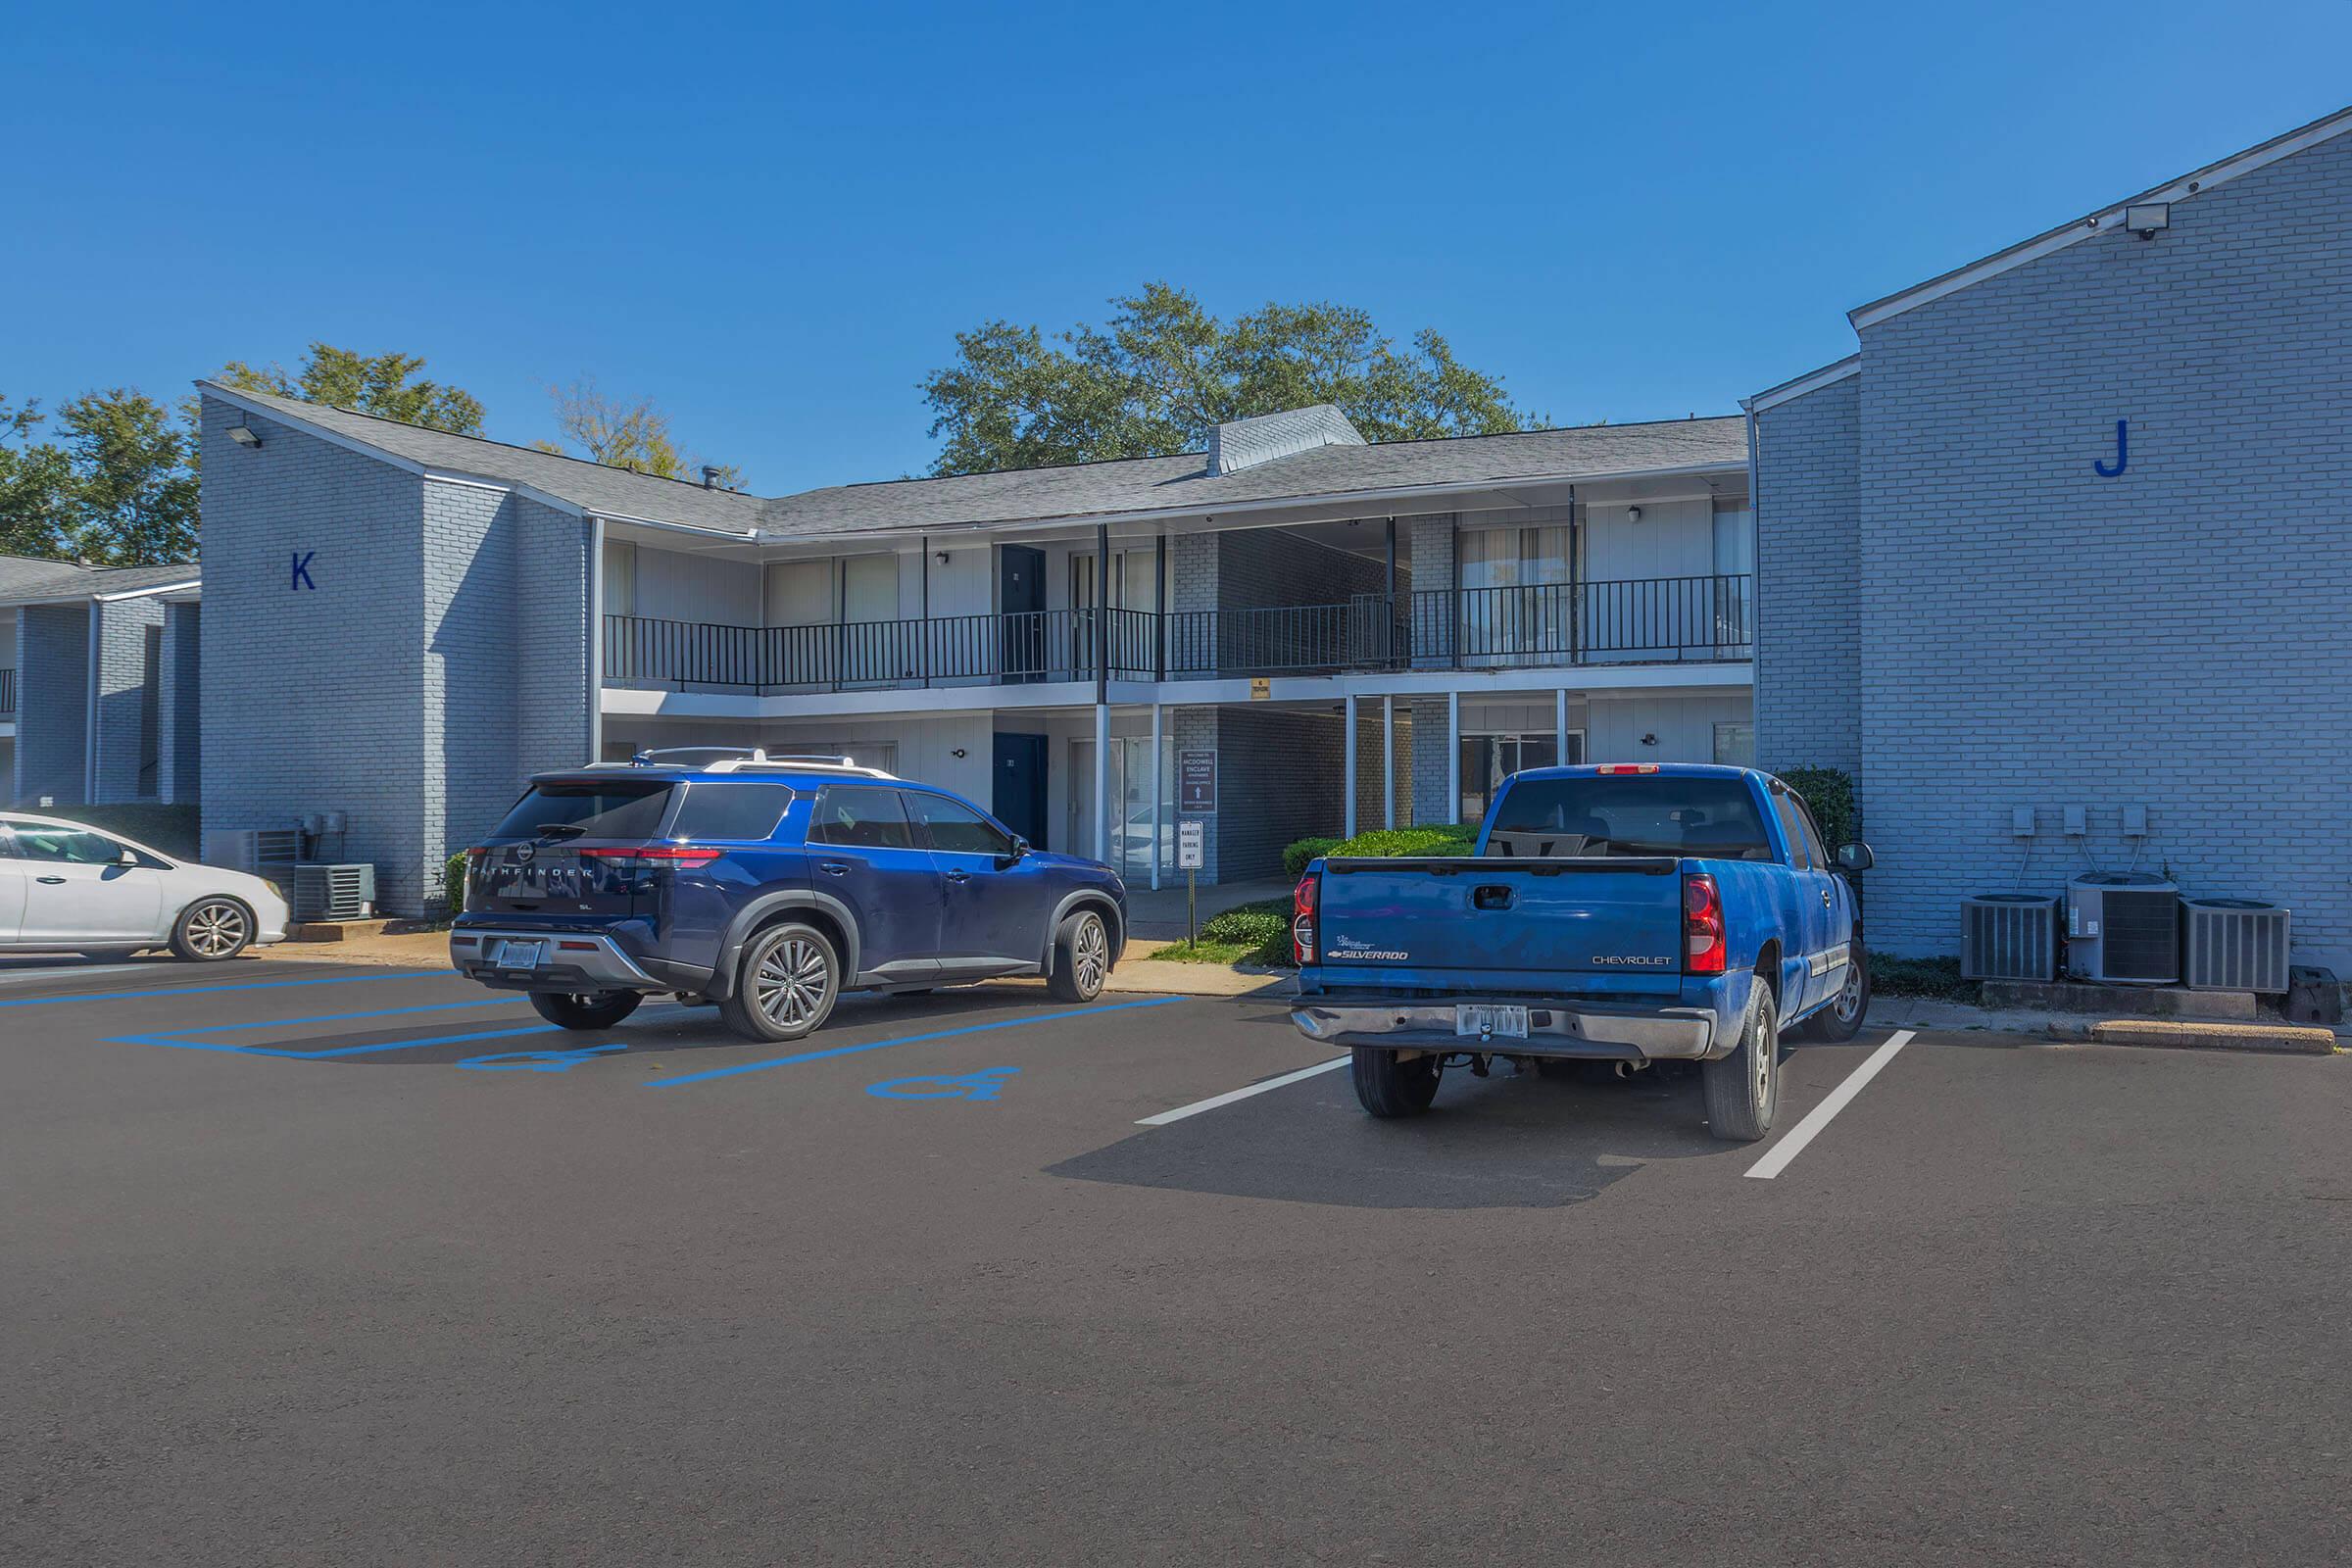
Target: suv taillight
x,y
644,856
1703,947
1303,920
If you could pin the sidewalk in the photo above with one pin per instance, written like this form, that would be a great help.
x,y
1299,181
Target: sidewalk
x,y
1160,917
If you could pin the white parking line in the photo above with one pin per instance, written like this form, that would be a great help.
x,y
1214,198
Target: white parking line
x,y
1199,1106
1804,1132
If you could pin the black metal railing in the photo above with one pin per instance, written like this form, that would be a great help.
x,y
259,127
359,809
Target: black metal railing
x,y
8,692
1644,620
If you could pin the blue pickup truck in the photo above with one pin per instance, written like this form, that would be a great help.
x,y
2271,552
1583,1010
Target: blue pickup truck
x,y
768,885
1634,913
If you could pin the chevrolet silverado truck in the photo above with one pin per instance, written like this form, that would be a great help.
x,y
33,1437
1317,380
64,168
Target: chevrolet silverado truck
x,y
1632,913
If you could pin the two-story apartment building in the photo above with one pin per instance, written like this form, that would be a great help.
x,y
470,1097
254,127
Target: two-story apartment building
x,y
1293,633
98,682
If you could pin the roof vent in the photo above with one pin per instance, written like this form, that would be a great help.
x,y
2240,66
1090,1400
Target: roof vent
x,y
710,473
1246,443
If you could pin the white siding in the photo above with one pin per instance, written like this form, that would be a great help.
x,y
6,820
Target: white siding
x,y
674,586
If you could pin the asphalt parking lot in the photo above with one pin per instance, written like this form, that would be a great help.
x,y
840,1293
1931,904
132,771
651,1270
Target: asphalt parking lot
x,y
318,1264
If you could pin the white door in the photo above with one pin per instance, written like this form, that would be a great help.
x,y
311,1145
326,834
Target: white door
x,y
77,889
1132,843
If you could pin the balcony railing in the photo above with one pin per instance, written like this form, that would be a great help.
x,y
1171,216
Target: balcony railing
x,y
7,694
1646,621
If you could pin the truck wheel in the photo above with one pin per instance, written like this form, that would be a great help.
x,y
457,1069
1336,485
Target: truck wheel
x,y
1842,1020
785,986
586,1010
1744,1089
1081,958
1387,1087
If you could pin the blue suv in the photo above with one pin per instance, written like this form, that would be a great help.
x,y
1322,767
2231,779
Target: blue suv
x,y
769,886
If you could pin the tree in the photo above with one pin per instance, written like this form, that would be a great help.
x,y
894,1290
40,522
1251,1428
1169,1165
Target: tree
x,y
376,384
131,490
35,488
1164,372
624,435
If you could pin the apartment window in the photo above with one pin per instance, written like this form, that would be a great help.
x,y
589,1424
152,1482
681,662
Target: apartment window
x,y
1487,760
1735,743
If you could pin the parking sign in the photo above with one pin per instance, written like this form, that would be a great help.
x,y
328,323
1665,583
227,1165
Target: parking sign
x,y
1190,846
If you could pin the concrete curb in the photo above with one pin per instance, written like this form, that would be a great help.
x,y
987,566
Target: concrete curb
x,y
2210,1035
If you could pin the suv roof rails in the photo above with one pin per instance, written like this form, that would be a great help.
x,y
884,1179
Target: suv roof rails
x,y
741,759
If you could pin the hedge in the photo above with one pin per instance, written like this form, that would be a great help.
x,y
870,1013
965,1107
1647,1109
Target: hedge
x,y
452,881
1830,792
1442,838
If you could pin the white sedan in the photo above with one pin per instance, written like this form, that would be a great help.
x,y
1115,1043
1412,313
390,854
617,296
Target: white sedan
x,y
65,886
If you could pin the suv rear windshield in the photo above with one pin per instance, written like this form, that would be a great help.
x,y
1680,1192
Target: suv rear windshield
x,y
1641,814
590,809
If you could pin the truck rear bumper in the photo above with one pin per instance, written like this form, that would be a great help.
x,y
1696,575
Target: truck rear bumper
x,y
1554,1028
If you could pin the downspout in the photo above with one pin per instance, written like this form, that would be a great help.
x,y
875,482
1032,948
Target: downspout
x,y
1756,584
596,638
90,711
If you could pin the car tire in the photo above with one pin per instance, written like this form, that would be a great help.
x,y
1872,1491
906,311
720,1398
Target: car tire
x,y
591,1009
1842,1020
1081,958
1387,1087
212,930
1744,1089
784,984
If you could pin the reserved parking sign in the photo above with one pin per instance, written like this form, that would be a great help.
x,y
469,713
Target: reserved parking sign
x,y
1190,846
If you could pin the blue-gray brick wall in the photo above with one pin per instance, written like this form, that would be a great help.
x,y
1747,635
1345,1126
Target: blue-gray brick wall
x,y
126,712
1261,568
2176,636
1808,576
179,762
53,675
1430,801
1279,779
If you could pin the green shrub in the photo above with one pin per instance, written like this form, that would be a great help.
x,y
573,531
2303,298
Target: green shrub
x,y
1249,932
1438,838
452,882
1830,792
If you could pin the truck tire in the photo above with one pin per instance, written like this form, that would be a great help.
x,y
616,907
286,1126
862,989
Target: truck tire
x,y
1081,958
784,984
1744,1089
1387,1087
1842,1020
589,1009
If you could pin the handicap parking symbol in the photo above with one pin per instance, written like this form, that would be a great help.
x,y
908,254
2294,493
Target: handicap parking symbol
x,y
983,1085
539,1060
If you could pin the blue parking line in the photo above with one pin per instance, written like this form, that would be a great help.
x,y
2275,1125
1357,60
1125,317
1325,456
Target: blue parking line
x,y
178,1039
905,1040
244,985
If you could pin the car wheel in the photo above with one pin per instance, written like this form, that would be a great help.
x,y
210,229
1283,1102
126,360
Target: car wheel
x,y
589,1009
1081,958
1388,1087
210,930
1842,1020
785,986
1744,1089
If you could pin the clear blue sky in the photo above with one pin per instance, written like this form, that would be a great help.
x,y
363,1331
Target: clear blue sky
x,y
773,219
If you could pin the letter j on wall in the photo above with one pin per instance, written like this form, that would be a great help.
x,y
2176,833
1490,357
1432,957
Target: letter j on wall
x,y
2123,452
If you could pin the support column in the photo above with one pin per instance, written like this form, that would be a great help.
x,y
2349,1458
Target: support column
x,y
1347,787
1101,781
1158,785
1453,755
1387,755
1559,725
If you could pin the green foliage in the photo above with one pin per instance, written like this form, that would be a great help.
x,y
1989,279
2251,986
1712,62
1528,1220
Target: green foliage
x,y
36,485
134,487
1830,792
1247,933
1164,372
624,435
369,383
453,883
172,829
1939,978
1295,853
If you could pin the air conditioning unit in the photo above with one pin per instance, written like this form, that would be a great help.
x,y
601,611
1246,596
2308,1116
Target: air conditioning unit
x,y
248,849
2122,926
344,892
2233,945
2009,936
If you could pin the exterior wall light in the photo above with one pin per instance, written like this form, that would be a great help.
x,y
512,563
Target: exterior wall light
x,y
243,435
2144,218
1633,514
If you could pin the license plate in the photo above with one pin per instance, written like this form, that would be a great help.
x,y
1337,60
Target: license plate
x,y
1506,1023
526,955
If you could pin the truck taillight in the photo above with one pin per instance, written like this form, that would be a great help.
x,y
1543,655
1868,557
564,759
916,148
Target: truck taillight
x,y
1303,920
1702,925
1627,767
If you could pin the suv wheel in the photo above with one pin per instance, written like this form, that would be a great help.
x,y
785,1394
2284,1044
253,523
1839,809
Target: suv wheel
x,y
591,1009
210,930
785,986
1081,958
1744,1089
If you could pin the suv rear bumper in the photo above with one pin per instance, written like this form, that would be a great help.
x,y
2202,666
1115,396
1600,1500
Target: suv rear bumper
x,y
571,961
1606,1030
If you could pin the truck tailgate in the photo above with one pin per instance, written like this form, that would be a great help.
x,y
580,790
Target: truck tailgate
x,y
1611,924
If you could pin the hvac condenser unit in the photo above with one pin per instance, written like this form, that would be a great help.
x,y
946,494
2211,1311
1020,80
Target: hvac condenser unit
x,y
248,849
2122,926
2009,936
2233,945
343,892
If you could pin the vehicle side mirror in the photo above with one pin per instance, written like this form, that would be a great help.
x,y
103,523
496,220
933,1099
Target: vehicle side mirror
x,y
1853,856
127,857
1021,847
